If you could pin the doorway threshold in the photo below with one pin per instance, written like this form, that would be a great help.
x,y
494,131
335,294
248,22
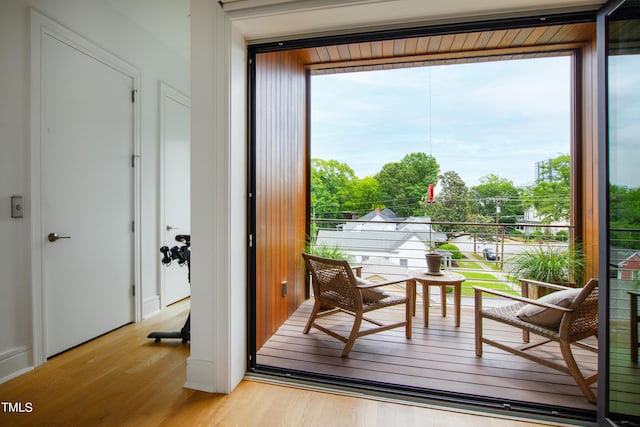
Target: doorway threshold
x,y
464,404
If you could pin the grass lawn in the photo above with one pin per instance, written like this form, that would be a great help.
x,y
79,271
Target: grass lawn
x,y
467,289
492,265
468,264
481,276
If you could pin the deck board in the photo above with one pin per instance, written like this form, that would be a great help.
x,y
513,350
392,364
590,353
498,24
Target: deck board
x,y
441,357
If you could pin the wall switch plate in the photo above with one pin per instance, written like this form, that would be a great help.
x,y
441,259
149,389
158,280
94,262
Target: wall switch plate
x,y
17,207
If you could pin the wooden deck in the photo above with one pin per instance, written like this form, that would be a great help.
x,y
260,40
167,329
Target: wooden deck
x,y
440,357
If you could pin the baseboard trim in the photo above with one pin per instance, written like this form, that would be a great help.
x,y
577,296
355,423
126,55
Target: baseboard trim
x,y
15,362
150,306
200,375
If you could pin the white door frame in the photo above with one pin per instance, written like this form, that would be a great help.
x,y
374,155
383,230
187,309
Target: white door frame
x,y
41,27
166,92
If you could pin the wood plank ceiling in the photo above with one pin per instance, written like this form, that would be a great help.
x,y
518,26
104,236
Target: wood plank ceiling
x,y
447,48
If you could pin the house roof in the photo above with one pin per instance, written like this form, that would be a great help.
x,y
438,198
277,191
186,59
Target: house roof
x,y
415,223
374,220
381,241
631,256
374,234
386,215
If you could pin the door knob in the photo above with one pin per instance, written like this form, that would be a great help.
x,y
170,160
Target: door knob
x,y
52,237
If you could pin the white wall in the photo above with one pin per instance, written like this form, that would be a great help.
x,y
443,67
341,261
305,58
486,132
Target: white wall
x,y
101,24
218,202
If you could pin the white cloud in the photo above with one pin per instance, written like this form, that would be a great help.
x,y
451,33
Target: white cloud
x,y
496,117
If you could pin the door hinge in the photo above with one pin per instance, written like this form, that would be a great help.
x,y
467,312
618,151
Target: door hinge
x,y
133,95
133,160
250,240
133,290
133,226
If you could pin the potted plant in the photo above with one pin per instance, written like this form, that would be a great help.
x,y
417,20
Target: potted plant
x,y
547,264
434,260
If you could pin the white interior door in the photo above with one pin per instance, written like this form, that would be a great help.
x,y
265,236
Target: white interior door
x,y
87,196
176,142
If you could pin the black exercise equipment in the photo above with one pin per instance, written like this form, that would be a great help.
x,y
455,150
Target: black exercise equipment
x,y
183,255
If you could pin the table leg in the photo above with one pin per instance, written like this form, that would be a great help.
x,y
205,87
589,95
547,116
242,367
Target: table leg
x,y
443,299
457,296
411,286
426,299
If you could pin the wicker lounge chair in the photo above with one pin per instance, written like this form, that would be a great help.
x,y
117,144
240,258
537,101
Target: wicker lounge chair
x,y
336,289
564,321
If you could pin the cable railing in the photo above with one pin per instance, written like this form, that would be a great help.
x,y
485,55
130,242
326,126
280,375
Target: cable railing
x,y
482,252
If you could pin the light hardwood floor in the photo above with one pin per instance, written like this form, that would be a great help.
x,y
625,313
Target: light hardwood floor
x,y
124,379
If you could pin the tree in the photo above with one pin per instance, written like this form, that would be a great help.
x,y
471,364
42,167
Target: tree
x,y
364,195
480,232
404,184
452,203
551,195
624,216
494,191
330,182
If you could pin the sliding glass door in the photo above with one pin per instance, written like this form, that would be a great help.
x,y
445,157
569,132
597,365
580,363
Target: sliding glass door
x,y
619,27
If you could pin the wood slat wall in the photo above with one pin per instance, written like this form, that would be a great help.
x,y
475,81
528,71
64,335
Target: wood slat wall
x,y
589,159
280,188
464,46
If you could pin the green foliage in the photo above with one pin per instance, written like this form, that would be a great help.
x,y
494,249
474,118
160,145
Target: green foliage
x,y
324,251
363,195
455,251
551,196
328,252
493,191
452,203
548,264
480,231
404,184
624,216
335,189
329,187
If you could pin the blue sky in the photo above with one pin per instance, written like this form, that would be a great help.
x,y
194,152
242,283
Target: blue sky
x,y
493,117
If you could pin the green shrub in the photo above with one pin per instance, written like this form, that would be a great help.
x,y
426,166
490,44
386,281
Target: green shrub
x,y
323,251
547,264
455,251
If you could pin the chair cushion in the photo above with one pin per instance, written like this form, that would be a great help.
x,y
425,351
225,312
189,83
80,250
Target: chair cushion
x,y
548,317
370,295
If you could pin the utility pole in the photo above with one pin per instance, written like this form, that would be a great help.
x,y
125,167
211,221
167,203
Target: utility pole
x,y
497,225
498,234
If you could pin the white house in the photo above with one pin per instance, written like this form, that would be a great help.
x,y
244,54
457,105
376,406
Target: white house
x,y
381,234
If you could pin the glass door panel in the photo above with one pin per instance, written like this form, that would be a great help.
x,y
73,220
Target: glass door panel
x,y
623,134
